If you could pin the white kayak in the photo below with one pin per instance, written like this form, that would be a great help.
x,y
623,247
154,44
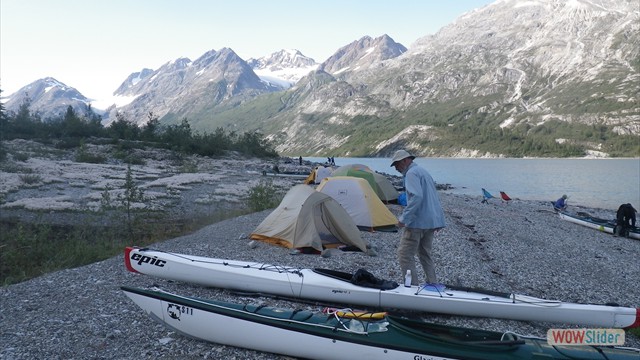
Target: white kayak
x,y
337,287
607,226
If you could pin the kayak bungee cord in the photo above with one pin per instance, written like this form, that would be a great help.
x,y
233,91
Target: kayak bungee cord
x,y
259,266
515,298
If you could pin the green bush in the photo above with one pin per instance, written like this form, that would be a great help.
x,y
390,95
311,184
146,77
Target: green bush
x,y
263,196
188,167
30,179
21,157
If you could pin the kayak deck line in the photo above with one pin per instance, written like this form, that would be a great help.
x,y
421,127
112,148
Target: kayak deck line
x,y
257,266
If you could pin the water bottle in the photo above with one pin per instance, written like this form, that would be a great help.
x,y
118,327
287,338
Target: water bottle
x,y
378,326
356,325
407,279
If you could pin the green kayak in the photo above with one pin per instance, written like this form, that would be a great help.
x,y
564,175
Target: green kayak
x,y
345,334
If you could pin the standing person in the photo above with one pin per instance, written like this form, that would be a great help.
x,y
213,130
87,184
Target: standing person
x,y
300,160
421,218
561,204
626,219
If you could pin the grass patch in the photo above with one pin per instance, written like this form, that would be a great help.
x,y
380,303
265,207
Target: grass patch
x,y
14,168
29,250
21,157
30,179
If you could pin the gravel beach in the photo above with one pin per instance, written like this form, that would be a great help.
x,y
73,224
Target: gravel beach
x,y
520,246
81,313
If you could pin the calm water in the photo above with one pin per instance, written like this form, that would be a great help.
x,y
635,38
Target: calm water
x,y
599,183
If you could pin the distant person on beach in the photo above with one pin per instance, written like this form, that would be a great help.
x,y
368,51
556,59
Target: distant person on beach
x,y
300,160
626,219
561,204
420,219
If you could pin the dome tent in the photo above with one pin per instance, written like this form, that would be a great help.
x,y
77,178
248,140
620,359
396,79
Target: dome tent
x,y
378,182
360,201
306,218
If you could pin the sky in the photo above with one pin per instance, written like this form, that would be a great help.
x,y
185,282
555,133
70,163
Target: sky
x,y
94,45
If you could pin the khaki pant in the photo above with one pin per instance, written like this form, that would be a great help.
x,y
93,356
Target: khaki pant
x,y
417,241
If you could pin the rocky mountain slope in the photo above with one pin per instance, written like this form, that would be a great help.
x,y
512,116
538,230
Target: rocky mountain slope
x,y
180,87
48,97
573,62
510,79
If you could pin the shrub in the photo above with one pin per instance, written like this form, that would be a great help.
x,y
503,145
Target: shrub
x,y
263,196
189,167
21,157
30,178
83,155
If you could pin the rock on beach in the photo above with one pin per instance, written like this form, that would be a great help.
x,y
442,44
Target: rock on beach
x,y
520,247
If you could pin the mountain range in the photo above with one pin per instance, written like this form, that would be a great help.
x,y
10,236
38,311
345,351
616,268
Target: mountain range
x,y
533,75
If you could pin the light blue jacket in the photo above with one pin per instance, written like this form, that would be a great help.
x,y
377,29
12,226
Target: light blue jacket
x,y
423,210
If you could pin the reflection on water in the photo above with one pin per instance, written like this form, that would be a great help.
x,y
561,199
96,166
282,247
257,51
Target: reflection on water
x,y
600,183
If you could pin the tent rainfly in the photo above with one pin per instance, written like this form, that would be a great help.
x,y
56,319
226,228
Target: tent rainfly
x,y
379,183
360,201
307,219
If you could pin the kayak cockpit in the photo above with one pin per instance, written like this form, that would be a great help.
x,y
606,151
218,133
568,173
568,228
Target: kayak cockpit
x,y
360,278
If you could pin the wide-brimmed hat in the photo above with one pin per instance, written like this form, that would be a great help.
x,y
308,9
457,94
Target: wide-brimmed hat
x,y
399,155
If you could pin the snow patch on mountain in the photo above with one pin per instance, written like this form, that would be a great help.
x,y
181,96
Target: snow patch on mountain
x,y
286,77
283,68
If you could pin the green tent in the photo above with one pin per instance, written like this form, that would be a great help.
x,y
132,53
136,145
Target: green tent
x,y
378,182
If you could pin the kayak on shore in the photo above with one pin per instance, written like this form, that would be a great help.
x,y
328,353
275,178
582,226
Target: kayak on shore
x,y
604,225
339,287
331,335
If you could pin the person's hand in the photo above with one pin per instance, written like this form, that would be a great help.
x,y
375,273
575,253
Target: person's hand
x,y
400,224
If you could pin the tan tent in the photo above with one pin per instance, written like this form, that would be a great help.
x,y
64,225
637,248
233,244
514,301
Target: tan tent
x,y
361,202
306,218
387,192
